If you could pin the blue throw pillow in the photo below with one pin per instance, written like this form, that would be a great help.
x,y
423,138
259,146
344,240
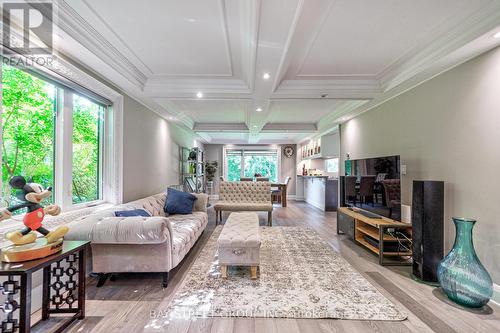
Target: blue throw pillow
x,y
179,202
135,212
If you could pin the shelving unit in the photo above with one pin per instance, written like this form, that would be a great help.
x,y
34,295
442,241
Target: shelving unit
x,y
377,229
192,168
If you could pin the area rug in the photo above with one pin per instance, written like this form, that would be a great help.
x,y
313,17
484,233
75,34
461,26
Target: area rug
x,y
300,277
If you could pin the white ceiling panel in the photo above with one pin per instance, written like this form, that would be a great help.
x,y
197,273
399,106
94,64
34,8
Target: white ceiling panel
x,y
326,60
360,37
301,110
179,38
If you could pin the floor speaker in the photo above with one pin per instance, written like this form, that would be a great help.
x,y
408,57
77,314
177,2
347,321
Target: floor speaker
x,y
428,228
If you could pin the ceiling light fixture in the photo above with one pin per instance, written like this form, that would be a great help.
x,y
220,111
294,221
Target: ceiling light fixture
x,y
258,109
266,76
497,35
199,94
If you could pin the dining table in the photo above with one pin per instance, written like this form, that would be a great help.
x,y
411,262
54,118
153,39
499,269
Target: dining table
x,y
283,188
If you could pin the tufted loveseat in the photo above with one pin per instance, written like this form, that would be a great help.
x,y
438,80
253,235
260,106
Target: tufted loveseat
x,y
140,244
244,196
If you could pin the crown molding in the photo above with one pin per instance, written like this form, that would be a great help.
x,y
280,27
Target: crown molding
x,y
79,29
442,42
332,120
205,137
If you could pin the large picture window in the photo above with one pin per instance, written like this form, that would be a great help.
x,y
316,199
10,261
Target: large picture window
x,y
87,127
28,125
248,162
51,135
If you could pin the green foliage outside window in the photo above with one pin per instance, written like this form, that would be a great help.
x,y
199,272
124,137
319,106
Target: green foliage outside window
x,y
264,165
233,168
86,119
28,131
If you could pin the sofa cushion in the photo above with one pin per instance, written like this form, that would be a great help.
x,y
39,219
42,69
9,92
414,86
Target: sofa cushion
x,y
179,202
201,203
244,206
154,204
185,231
133,212
120,230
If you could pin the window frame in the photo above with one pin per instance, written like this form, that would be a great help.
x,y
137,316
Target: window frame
x,y
110,145
250,148
338,164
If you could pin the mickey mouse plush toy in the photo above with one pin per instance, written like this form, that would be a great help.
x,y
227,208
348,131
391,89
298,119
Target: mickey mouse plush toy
x,y
31,195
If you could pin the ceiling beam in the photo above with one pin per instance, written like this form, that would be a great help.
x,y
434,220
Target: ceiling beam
x,y
220,127
289,128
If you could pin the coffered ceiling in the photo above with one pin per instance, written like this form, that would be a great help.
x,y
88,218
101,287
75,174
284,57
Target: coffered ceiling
x,y
327,60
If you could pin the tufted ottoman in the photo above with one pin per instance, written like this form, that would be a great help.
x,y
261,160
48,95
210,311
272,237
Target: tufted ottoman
x,y
239,243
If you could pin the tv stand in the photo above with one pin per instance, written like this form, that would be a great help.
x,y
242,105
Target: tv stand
x,y
365,213
376,228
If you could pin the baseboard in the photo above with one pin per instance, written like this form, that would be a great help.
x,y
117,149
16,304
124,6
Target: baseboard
x,y
316,205
496,294
291,197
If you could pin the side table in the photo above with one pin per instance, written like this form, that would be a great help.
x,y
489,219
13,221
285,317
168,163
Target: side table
x,y
63,288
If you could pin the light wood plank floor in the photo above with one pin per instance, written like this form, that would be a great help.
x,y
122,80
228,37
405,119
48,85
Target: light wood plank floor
x,y
129,303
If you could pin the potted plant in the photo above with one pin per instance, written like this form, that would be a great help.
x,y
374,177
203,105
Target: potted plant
x,y
211,169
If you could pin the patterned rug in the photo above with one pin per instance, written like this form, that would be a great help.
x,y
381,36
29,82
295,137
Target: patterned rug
x,y
300,277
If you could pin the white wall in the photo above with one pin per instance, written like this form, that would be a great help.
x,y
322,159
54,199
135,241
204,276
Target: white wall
x,y
445,129
150,151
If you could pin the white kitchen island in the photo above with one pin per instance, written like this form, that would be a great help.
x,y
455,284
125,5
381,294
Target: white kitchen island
x,y
318,191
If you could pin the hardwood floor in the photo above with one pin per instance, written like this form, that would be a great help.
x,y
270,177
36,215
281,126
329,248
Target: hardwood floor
x,y
133,302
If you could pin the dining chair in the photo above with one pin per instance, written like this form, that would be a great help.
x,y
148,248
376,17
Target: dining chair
x,y
392,188
350,189
262,179
366,186
276,193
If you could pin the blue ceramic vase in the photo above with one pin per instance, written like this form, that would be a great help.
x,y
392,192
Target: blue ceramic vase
x,y
461,275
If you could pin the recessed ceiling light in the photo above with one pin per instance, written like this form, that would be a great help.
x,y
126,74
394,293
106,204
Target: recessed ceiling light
x,y
258,109
199,94
497,35
254,126
171,118
266,76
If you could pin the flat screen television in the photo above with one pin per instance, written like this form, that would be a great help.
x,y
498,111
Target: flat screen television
x,y
374,184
